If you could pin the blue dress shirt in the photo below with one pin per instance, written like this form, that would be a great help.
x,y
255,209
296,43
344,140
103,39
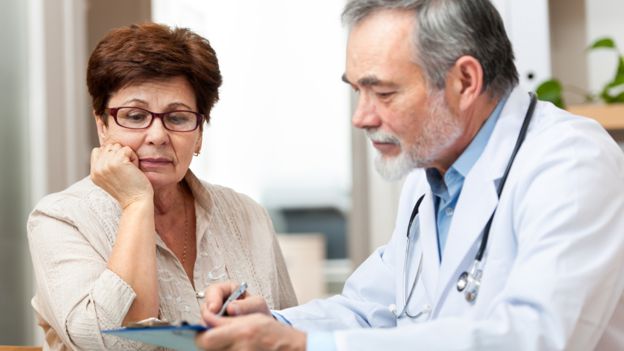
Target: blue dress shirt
x,y
446,190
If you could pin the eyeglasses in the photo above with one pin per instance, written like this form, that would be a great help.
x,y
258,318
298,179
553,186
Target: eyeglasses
x,y
138,118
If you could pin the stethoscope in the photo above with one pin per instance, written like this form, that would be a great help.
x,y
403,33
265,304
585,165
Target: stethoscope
x,y
468,282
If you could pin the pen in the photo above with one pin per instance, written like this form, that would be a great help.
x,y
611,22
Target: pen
x,y
233,296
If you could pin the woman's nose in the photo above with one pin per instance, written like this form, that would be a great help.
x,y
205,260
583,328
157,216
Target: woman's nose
x,y
157,133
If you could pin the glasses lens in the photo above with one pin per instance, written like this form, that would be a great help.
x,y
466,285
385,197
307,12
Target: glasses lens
x,y
181,121
131,117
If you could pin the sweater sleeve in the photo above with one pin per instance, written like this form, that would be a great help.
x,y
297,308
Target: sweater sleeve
x,y
76,294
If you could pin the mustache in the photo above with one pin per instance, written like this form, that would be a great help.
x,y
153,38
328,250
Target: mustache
x,y
378,136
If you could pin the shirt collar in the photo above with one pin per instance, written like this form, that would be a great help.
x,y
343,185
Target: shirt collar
x,y
460,168
469,157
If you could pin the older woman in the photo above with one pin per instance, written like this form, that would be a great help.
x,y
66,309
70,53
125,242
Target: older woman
x,y
142,236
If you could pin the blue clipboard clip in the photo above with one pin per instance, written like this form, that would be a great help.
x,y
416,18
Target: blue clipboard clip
x,y
178,336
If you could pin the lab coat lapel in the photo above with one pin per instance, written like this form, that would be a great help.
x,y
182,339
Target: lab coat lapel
x,y
429,246
475,206
478,198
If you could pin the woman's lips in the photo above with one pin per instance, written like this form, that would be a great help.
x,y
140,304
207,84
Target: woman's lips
x,y
150,162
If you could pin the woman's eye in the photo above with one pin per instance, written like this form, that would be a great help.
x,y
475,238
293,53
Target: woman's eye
x,y
136,117
178,118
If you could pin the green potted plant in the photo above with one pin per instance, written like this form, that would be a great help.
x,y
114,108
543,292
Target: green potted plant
x,y
607,105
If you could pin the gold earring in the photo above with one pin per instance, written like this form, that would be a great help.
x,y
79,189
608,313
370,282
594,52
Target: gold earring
x,y
196,153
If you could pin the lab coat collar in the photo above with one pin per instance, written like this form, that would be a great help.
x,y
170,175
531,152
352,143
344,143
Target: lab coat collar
x,y
478,198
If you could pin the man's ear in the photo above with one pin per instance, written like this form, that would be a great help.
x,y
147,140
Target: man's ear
x,y
102,129
465,79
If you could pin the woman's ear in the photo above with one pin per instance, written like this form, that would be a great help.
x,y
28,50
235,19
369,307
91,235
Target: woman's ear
x,y
466,81
198,143
102,129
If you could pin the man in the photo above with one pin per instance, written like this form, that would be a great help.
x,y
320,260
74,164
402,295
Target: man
x,y
490,252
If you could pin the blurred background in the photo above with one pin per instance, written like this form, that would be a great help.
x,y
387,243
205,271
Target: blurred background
x,y
280,133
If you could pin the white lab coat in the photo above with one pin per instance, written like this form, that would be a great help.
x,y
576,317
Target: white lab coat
x,y
553,272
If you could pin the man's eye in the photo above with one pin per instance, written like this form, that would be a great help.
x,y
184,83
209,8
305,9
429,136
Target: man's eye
x,y
384,94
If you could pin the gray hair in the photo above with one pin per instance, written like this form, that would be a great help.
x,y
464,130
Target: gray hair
x,y
446,30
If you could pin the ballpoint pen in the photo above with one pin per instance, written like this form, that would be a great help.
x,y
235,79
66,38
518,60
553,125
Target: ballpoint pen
x,y
233,296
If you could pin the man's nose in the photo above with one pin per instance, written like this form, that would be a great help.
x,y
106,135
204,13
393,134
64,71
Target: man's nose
x,y
365,115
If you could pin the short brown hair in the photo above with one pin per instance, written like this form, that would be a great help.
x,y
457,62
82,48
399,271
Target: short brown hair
x,y
150,51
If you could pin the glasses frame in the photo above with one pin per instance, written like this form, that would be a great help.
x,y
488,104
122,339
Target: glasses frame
x,y
112,111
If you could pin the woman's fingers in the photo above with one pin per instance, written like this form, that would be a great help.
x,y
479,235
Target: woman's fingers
x,y
115,168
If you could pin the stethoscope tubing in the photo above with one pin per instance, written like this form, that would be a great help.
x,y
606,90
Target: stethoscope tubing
x,y
501,185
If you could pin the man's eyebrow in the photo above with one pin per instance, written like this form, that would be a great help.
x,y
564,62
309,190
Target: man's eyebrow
x,y
367,81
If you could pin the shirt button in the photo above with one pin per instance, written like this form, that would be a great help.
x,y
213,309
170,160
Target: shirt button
x,y
449,211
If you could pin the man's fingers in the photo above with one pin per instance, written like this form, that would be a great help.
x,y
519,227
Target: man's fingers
x,y
216,294
213,340
222,334
226,332
249,305
212,320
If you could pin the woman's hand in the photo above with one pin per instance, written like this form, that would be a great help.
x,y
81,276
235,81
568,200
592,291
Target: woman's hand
x,y
115,168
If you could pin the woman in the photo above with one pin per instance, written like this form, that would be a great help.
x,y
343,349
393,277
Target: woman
x,y
142,236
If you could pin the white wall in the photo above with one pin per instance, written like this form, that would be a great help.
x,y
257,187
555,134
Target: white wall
x,y
526,23
604,18
280,132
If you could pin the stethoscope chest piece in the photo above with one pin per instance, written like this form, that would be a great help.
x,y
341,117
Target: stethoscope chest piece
x,y
462,281
469,283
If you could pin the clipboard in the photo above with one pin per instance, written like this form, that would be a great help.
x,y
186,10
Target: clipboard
x,y
178,337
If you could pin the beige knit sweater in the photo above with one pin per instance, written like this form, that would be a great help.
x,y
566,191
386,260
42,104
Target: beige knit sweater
x,y
71,235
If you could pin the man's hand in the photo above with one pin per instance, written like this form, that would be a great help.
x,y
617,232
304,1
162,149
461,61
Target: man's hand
x,y
251,332
216,295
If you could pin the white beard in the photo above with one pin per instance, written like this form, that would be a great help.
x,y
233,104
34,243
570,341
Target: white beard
x,y
440,130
